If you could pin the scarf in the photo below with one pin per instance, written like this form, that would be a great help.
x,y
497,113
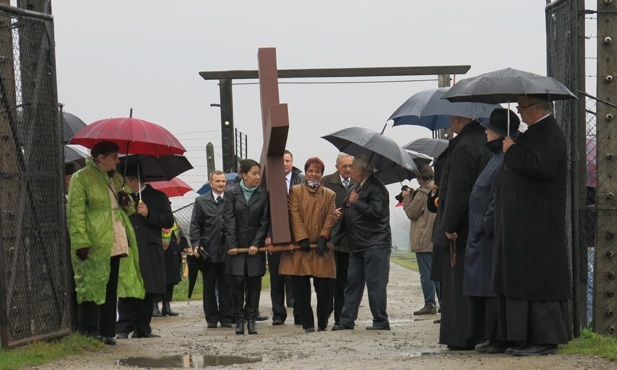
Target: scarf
x,y
248,193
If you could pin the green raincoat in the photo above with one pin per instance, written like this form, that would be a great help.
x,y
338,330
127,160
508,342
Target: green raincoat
x,y
89,216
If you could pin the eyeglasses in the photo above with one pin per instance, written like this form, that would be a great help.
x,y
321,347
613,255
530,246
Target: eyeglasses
x,y
520,108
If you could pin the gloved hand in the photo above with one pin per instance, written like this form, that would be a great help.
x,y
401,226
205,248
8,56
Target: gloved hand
x,y
305,245
124,198
82,253
322,248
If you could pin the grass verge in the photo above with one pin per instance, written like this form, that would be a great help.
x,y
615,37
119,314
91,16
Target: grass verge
x,y
42,352
407,260
590,343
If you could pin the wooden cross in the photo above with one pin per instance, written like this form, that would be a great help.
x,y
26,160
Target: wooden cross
x,y
275,122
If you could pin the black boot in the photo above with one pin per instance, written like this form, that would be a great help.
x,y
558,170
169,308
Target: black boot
x,y
253,303
167,309
155,309
238,303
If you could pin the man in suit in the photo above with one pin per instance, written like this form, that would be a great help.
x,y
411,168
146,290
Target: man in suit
x,y
152,215
339,182
280,283
207,233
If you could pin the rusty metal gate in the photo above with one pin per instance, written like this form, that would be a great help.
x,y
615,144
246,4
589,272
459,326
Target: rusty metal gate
x,y
34,257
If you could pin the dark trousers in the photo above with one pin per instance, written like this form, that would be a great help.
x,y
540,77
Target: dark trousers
x,y
96,319
341,260
135,314
249,286
278,285
370,267
215,277
302,300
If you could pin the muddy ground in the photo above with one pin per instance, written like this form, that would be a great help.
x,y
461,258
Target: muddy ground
x,y
412,343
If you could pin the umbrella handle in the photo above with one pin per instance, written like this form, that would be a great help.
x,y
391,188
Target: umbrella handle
x,y
275,248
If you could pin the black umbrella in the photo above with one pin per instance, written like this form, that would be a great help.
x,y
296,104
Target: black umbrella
x,y
72,154
163,168
196,264
393,163
505,85
429,146
71,124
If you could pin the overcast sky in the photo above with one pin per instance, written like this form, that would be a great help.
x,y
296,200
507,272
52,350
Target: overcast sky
x,y
114,55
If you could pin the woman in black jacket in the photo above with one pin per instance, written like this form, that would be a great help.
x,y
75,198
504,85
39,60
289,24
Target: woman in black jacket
x,y
246,219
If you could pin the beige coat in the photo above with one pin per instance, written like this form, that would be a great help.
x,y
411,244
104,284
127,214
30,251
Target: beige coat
x,y
421,220
311,214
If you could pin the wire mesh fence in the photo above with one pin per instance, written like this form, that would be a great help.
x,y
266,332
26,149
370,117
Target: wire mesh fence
x,y
588,223
34,289
183,219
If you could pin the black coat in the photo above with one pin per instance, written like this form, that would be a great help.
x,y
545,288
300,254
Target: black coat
x,y
531,260
466,158
366,223
207,222
149,234
478,278
246,225
333,182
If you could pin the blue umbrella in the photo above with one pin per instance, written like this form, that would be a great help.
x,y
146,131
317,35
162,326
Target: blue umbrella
x,y
426,108
229,177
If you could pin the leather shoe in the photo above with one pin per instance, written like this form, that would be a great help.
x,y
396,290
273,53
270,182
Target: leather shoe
x,y
211,325
145,335
535,350
309,330
226,325
496,347
122,336
261,318
321,329
278,321
426,310
481,347
107,340
341,327
374,327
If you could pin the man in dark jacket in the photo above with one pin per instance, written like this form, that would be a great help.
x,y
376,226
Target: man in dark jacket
x,y
339,182
280,285
467,156
153,214
531,274
365,221
207,233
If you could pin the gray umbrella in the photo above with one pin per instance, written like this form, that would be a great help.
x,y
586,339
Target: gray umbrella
x,y
426,108
163,168
71,124
393,163
505,85
73,154
429,146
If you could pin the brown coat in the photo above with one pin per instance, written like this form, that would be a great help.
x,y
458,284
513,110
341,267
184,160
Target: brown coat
x,y
421,220
311,214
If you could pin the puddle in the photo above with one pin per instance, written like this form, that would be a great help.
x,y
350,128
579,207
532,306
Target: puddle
x,y
185,361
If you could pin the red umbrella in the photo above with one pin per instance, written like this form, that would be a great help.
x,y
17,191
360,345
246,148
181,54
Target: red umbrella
x,y
173,188
133,135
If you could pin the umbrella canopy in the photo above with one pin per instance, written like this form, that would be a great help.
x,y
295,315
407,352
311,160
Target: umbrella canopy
x,y
393,163
134,136
429,146
73,154
195,265
505,85
71,125
172,188
229,177
426,108
153,168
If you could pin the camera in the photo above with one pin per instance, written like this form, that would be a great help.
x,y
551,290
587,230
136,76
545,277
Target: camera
x,y
399,197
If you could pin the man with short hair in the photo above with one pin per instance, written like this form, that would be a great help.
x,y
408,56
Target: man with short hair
x,y
365,221
531,273
207,234
339,182
467,157
280,285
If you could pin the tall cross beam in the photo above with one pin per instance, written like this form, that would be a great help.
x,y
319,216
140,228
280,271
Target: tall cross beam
x,y
275,123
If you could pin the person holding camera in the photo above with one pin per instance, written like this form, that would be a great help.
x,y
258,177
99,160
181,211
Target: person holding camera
x,y
415,206
208,241
152,215
101,235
